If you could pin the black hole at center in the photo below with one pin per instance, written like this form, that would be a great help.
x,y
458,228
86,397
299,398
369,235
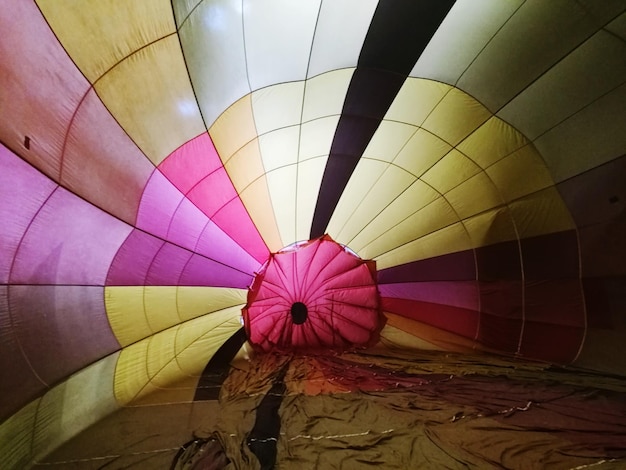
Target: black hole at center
x,y
299,313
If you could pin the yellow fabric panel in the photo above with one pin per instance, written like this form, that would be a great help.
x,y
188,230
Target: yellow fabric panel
x,y
450,171
172,355
456,116
195,301
257,200
324,94
541,213
245,166
429,219
100,33
421,152
388,140
150,95
492,141
160,307
282,188
416,196
126,314
316,137
416,100
477,194
310,174
277,106
389,185
234,128
74,405
16,437
447,240
521,173
491,227
395,338
279,148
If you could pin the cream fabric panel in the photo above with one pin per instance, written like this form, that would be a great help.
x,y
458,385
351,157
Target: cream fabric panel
x,y
541,213
172,355
388,140
99,34
474,195
421,152
491,227
316,138
416,100
277,106
282,188
258,201
324,95
150,95
310,174
450,171
234,129
279,148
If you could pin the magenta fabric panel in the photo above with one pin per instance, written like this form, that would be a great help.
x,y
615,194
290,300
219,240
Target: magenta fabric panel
x,y
167,266
213,192
234,219
69,242
313,296
460,266
73,322
463,322
186,226
462,294
201,271
23,190
158,205
133,260
499,262
502,314
102,164
190,163
18,383
39,84
552,256
217,245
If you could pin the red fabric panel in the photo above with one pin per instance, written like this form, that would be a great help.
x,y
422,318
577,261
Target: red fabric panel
x,y
456,320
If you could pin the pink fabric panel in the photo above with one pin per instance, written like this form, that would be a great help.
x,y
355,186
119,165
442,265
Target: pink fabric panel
x,y
158,205
69,242
133,260
15,372
462,294
213,192
23,190
40,86
191,162
187,225
102,164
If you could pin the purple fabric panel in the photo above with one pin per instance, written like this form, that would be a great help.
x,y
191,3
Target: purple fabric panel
x,y
499,262
62,329
558,301
598,195
187,225
203,272
553,256
18,383
462,294
69,242
102,164
40,87
217,245
133,260
158,205
23,190
167,266
458,266
603,248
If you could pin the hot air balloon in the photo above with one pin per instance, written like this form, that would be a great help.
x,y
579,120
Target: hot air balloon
x,y
314,234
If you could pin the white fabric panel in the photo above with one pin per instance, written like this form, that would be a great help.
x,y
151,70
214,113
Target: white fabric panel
x,y
324,95
593,136
340,32
277,106
589,72
388,140
466,30
279,148
316,137
212,40
538,36
283,54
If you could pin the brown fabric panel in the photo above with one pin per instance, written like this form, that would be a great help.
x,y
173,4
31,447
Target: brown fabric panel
x,y
552,256
499,262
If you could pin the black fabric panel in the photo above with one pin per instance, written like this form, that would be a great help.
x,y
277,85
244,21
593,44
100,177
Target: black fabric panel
x,y
216,370
399,33
459,266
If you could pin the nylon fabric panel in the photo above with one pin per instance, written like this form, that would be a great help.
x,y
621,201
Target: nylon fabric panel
x,y
309,178
388,140
449,172
416,100
212,40
99,35
549,215
458,266
282,187
494,226
68,242
474,196
151,97
29,51
421,152
277,106
126,313
57,313
279,148
234,129
324,94
101,163
23,187
257,200
16,436
176,354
